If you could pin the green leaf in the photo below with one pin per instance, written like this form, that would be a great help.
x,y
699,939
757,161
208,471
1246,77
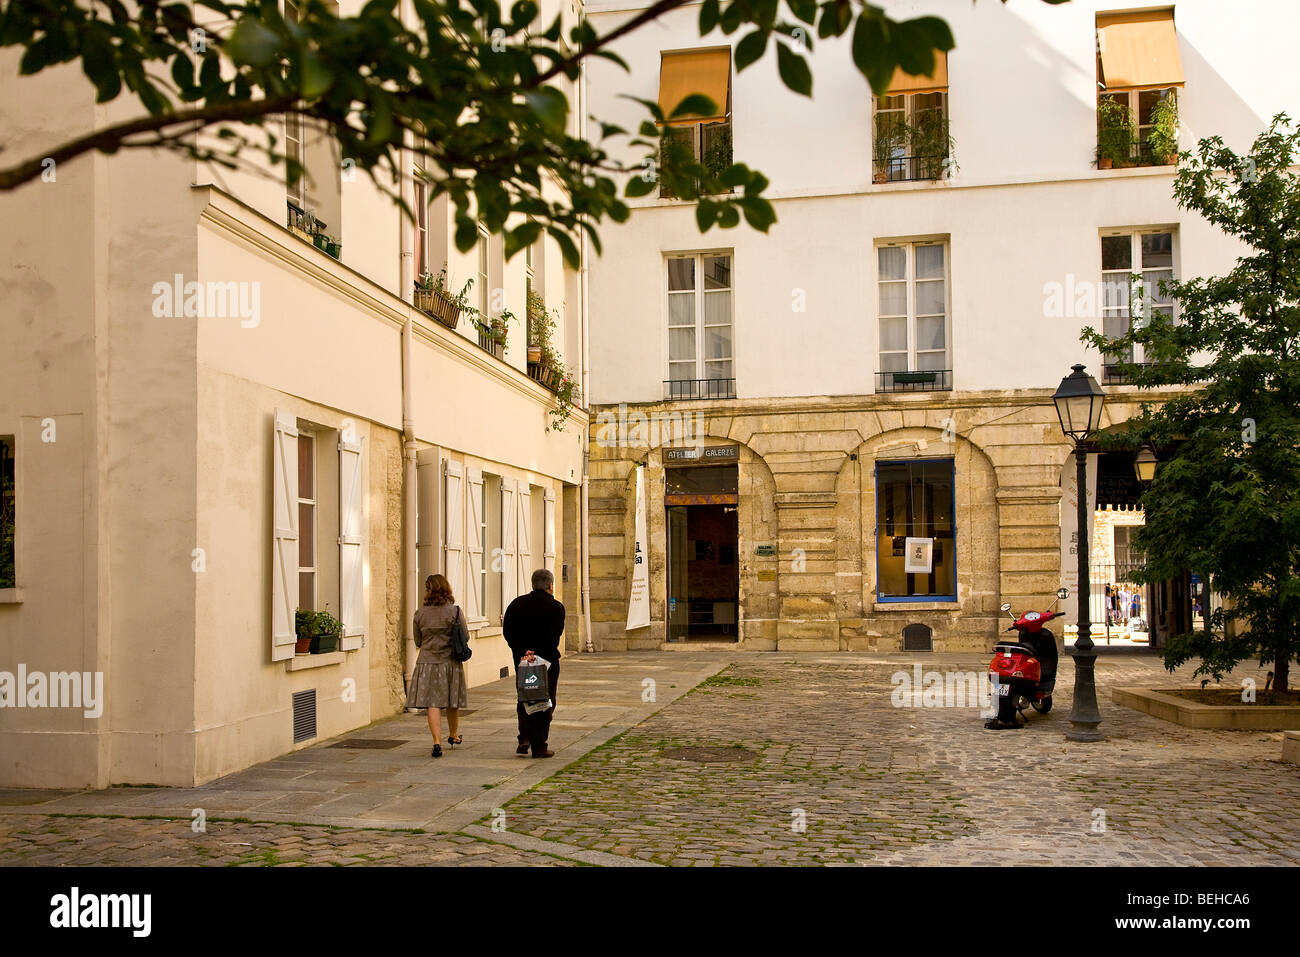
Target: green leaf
x,y
466,232
750,49
794,70
521,236
316,76
252,42
871,53
805,10
697,104
551,106
568,248
704,215
638,186
708,16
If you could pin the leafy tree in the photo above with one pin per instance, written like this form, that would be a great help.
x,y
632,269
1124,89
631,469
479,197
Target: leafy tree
x,y
471,87
1225,502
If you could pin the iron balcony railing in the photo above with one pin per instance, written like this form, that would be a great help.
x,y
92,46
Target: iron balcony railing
x,y
929,380
907,169
1112,373
699,388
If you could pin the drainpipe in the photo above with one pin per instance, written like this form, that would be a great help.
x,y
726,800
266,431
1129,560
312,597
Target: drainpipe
x,y
410,485
584,529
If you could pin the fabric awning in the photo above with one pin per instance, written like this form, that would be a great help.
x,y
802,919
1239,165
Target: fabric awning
x,y
1139,51
937,82
695,71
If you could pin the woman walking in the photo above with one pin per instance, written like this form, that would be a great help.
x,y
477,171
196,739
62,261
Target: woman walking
x,y
439,679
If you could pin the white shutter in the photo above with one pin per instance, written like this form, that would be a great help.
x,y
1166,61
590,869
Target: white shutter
x,y
352,535
284,535
453,516
525,505
548,529
509,566
474,543
426,517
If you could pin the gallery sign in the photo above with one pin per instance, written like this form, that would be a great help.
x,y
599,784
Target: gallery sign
x,y
710,455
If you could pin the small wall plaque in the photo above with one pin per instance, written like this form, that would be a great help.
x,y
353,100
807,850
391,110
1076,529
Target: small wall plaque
x,y
765,551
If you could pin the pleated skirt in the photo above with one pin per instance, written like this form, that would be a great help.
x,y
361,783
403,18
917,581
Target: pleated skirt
x,y
437,684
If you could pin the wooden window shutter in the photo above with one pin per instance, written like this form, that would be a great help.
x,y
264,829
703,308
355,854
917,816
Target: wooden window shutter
x,y
474,543
453,544
525,505
427,524
284,535
352,536
509,561
548,526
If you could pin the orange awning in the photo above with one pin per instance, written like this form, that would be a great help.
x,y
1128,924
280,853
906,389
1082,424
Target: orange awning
x,y
695,71
937,82
1139,51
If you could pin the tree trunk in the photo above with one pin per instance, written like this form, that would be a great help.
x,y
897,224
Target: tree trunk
x,y
1281,671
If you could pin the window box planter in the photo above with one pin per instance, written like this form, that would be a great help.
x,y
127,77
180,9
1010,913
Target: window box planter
x,y
910,378
317,632
321,242
439,305
335,249
324,644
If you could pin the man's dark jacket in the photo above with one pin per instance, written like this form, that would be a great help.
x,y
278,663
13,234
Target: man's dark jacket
x,y
534,622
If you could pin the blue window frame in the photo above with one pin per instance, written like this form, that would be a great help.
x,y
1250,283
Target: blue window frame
x,y
915,499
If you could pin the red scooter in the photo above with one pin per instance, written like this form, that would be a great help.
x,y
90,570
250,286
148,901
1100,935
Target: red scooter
x,y
1024,671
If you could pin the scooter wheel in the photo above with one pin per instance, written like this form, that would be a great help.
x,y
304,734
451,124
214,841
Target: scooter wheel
x,y
1044,706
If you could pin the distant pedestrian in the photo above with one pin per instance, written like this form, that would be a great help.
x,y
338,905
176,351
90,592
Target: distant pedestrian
x,y
439,679
533,626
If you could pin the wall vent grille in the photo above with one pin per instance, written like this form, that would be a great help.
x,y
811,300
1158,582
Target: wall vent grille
x,y
304,715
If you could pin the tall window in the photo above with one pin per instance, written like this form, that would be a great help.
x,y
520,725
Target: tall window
x,y
484,263
699,327
1139,71
916,536
8,513
306,520
910,137
912,310
700,137
421,227
1126,300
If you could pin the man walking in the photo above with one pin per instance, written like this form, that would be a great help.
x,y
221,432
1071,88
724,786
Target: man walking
x,y
532,626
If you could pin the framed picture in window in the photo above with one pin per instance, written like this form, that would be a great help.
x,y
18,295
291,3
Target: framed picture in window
x,y
920,556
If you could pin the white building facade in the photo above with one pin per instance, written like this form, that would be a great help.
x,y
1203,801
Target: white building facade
x,y
846,424
212,419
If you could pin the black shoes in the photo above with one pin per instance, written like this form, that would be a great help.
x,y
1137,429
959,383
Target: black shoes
x,y
437,751
523,748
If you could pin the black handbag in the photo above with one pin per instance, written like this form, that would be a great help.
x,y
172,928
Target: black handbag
x,y
460,649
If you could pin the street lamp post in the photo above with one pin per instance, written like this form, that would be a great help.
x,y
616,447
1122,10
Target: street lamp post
x,y
1078,405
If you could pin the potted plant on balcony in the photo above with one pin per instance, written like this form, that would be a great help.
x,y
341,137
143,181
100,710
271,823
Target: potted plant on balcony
x,y
567,396
890,137
931,143
433,297
493,331
537,320
1162,141
1115,134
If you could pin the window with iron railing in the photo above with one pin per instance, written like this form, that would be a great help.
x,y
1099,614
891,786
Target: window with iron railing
x,y
912,314
699,326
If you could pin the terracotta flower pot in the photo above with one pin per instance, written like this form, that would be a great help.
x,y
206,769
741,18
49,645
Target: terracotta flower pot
x,y
534,353
1104,163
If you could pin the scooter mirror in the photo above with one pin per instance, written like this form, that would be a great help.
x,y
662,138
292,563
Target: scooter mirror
x,y
1006,606
1062,593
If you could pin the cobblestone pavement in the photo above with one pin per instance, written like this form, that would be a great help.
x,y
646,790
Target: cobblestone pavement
x,y
875,784
56,841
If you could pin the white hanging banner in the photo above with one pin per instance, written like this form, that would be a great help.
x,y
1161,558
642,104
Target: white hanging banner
x,y
638,602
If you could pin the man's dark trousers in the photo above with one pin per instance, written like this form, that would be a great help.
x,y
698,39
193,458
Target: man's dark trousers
x,y
535,729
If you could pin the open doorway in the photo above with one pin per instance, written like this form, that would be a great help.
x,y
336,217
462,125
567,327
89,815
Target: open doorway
x,y
703,558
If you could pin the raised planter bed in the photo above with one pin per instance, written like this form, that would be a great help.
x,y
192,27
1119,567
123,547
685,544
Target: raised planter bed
x,y
1161,703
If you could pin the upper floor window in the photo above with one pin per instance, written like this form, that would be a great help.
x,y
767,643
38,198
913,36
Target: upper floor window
x,y
483,277
703,138
306,520
1139,71
910,136
699,328
912,312
422,251
1126,300
314,199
